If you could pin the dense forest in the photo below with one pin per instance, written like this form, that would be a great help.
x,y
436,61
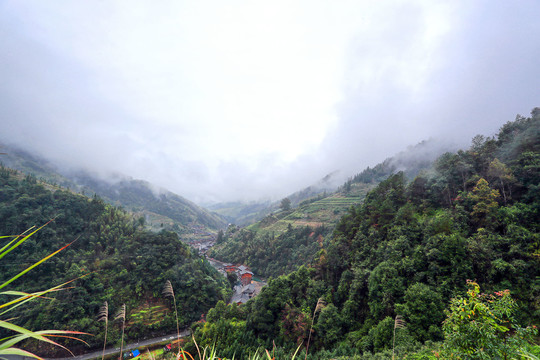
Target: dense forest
x,y
470,222
112,258
289,237
268,254
168,210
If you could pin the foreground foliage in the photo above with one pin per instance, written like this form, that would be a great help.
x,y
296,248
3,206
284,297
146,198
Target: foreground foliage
x,y
483,326
122,262
7,344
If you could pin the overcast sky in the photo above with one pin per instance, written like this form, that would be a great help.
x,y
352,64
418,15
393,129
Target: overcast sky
x,y
224,100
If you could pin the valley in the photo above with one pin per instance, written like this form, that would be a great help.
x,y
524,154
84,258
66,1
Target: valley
x,y
408,239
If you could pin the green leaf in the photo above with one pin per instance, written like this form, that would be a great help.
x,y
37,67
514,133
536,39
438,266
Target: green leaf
x,y
20,352
33,266
6,249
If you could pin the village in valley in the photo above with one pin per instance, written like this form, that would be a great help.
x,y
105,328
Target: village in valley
x,y
247,287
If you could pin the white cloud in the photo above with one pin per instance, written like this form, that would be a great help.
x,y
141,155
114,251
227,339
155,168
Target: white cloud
x,y
245,99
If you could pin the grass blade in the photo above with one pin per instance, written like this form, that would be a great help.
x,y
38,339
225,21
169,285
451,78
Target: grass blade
x,y
24,299
19,352
5,251
15,239
297,349
33,266
25,334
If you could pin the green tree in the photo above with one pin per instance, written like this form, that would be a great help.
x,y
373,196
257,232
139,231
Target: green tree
x,y
329,326
482,326
385,287
285,204
499,171
485,203
423,308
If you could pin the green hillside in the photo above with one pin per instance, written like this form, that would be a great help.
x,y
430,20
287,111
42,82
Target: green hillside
x,y
162,209
408,249
112,257
240,213
281,241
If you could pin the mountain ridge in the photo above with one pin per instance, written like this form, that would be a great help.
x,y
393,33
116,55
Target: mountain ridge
x,y
161,208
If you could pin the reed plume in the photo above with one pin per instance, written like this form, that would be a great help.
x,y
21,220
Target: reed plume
x,y
121,314
398,323
169,291
320,305
103,315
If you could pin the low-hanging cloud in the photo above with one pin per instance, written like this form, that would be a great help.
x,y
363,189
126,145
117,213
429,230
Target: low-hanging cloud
x,y
247,101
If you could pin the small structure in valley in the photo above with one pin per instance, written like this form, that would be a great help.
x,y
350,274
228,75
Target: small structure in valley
x,y
245,275
242,293
230,268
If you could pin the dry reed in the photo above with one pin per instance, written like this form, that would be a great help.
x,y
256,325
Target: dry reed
x,y
320,305
103,315
398,323
121,314
168,291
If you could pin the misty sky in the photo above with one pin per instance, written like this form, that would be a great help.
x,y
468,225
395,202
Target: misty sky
x,y
225,100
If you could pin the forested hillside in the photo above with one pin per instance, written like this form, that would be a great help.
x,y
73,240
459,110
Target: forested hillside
x,y
161,208
112,258
407,250
268,254
295,231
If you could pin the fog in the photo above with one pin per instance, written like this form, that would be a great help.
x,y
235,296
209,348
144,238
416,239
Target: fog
x,y
243,100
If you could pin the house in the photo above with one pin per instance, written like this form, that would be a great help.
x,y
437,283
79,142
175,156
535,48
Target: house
x,y
230,268
245,277
240,299
243,293
249,290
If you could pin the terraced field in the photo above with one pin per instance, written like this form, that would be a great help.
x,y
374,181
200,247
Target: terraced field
x,y
323,212
148,314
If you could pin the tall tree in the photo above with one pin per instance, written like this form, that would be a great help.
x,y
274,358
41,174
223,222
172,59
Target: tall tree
x,y
285,204
499,171
485,202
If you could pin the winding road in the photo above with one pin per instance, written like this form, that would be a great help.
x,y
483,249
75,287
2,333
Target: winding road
x,y
110,351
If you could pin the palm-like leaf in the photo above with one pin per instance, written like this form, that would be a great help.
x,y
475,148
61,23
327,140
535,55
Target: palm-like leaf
x,y
121,314
6,344
168,289
103,314
321,304
399,323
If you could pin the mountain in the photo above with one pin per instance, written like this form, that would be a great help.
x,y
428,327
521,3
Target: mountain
x,y
161,208
411,161
282,240
461,236
242,213
110,257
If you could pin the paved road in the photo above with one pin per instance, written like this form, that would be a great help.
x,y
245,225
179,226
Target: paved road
x,y
97,354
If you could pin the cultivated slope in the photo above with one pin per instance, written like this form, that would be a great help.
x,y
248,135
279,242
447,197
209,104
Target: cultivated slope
x,y
286,239
113,258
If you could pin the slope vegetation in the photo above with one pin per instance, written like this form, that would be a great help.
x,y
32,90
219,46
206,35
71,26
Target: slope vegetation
x,y
162,209
406,250
113,258
287,238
